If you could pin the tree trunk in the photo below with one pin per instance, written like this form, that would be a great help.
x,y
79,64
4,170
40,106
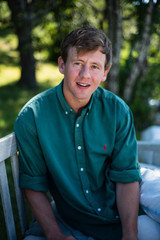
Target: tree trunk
x,y
23,28
27,60
142,57
113,12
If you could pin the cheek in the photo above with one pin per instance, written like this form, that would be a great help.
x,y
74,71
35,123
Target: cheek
x,y
74,73
98,78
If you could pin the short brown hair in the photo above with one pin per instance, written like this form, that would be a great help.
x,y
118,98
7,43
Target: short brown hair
x,y
87,39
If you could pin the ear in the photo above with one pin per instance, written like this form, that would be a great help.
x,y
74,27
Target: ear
x,y
105,74
61,65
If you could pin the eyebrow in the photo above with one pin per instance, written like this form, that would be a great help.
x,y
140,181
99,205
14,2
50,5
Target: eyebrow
x,y
80,60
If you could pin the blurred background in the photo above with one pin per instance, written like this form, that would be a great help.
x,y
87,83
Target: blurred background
x,y
31,32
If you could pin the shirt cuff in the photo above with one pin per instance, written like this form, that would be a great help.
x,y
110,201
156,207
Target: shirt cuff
x,y
38,183
125,176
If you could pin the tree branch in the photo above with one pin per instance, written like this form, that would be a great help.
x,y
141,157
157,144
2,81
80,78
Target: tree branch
x,y
143,52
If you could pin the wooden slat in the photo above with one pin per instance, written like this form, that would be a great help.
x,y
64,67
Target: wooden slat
x,y
19,195
8,146
6,202
8,149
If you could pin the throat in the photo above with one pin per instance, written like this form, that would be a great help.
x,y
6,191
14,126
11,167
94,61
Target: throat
x,y
78,108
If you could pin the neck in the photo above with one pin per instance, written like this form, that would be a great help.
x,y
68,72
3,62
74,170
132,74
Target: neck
x,y
78,109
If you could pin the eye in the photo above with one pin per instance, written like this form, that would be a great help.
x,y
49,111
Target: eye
x,y
77,63
95,67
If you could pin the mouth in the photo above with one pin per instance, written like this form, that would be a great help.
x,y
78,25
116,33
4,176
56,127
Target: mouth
x,y
83,85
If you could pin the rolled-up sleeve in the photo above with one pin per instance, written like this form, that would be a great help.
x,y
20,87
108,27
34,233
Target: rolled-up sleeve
x,y
31,160
124,165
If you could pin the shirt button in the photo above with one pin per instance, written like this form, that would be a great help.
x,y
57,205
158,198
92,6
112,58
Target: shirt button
x,y
79,147
99,209
82,169
66,112
77,125
87,191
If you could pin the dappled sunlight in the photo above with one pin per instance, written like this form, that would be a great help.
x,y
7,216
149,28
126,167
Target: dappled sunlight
x,y
8,74
48,72
9,55
2,123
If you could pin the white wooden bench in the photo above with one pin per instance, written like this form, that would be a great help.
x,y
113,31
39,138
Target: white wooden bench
x,y
8,149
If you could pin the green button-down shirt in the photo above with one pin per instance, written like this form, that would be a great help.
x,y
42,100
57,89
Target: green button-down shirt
x,y
78,158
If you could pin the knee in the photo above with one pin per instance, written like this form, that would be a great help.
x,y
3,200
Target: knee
x,y
148,228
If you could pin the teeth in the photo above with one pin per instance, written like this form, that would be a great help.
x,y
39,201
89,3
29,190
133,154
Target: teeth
x,y
83,84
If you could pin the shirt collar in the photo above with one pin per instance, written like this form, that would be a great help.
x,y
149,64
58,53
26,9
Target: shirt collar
x,y
66,107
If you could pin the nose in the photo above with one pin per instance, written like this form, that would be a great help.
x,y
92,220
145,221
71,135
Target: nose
x,y
85,72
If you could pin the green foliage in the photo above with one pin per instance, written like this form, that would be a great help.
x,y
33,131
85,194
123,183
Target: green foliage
x,y
68,15
5,15
153,81
142,112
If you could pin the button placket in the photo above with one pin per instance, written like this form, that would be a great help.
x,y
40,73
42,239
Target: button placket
x,y
81,164
80,156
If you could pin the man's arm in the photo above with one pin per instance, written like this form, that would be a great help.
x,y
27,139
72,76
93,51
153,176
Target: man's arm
x,y
127,197
43,213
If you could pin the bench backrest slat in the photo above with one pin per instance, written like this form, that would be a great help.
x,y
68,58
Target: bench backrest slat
x,y
8,149
18,192
8,146
6,203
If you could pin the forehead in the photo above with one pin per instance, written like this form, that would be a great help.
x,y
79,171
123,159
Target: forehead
x,y
95,55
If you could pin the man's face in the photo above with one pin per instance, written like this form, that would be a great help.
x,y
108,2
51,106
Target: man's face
x,y
83,73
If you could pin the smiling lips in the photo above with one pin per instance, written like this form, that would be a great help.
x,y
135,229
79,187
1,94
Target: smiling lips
x,y
83,85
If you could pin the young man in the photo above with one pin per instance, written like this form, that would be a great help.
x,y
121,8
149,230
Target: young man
x,y
77,141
